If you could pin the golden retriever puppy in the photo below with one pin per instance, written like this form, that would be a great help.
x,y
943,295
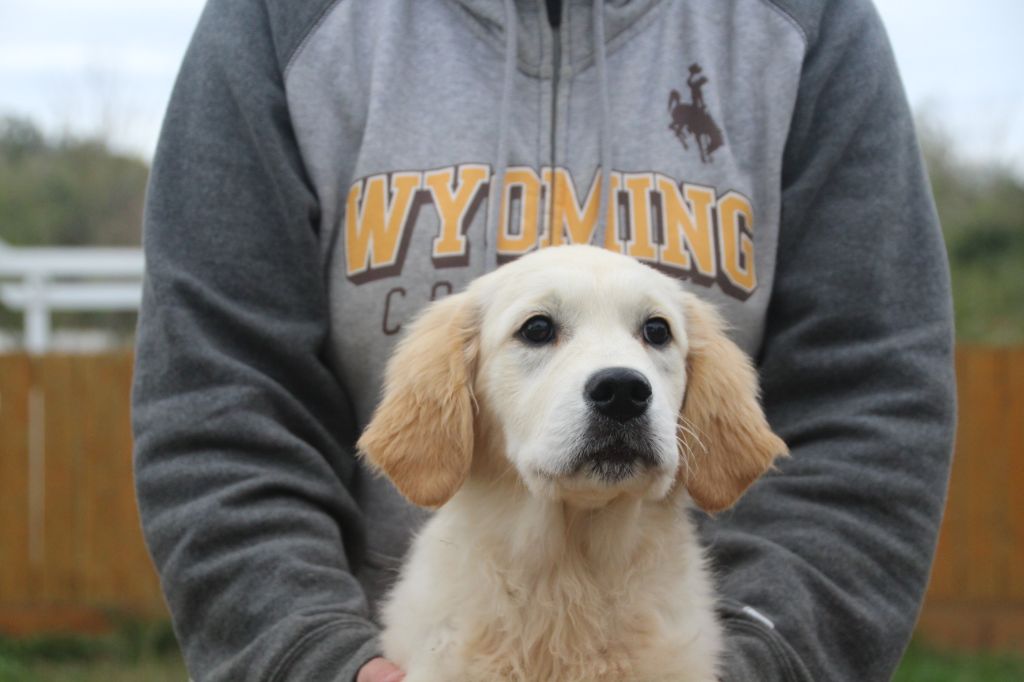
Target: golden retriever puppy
x,y
560,414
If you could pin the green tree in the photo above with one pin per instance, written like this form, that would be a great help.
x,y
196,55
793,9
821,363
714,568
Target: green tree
x,y
71,192
982,212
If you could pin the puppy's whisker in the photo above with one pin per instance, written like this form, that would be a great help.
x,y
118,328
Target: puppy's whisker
x,y
690,460
687,460
691,431
509,470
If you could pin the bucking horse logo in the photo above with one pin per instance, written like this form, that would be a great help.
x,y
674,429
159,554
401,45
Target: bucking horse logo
x,y
693,118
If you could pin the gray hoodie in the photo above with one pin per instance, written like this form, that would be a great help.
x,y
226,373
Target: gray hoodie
x,y
327,167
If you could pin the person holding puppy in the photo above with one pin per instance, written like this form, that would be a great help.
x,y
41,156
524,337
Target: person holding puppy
x,y
328,168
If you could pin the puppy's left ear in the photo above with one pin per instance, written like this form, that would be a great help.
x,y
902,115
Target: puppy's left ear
x,y
421,434
721,424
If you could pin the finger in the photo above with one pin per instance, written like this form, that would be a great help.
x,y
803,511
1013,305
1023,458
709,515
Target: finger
x,y
380,670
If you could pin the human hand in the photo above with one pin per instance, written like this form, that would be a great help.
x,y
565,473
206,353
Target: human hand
x,y
380,670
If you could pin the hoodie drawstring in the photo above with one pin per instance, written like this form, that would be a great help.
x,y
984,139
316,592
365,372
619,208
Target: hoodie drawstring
x,y
497,189
601,61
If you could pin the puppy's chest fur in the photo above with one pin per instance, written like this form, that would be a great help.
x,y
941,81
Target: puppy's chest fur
x,y
537,593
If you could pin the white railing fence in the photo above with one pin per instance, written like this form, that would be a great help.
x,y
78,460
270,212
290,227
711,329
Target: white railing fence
x,y
39,281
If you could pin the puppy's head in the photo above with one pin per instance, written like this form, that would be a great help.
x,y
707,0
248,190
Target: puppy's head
x,y
587,374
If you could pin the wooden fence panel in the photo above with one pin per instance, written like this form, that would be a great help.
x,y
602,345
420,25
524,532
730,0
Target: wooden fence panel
x,y
70,543
15,384
71,550
1014,439
976,596
113,564
980,487
58,580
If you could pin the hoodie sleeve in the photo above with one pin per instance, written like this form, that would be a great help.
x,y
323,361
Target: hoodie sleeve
x,y
243,434
834,549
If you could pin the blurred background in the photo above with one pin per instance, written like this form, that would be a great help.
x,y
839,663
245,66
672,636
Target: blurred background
x,y
83,87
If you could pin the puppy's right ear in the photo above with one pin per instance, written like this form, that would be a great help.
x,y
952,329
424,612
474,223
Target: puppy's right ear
x,y
722,422
421,434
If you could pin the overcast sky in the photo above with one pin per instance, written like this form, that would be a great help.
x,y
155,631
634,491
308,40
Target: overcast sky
x,y
88,65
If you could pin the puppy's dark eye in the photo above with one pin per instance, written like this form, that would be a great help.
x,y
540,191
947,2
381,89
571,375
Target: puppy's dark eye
x,y
538,330
657,332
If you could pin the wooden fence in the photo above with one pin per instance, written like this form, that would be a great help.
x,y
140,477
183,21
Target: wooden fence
x,y
976,596
71,553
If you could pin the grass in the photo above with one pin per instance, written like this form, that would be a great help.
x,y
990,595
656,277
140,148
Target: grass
x,y
922,664
139,652
169,669
135,652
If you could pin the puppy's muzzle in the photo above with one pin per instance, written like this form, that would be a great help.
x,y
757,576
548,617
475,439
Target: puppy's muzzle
x,y
618,393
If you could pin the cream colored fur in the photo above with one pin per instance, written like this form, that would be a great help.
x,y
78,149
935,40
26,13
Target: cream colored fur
x,y
527,572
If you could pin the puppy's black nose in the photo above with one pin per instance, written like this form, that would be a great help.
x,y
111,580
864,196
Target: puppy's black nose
x,y
619,393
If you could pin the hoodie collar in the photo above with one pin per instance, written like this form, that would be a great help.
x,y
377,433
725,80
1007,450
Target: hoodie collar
x,y
534,53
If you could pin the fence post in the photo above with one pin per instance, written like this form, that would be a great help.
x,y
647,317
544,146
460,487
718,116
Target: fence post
x,y
37,314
